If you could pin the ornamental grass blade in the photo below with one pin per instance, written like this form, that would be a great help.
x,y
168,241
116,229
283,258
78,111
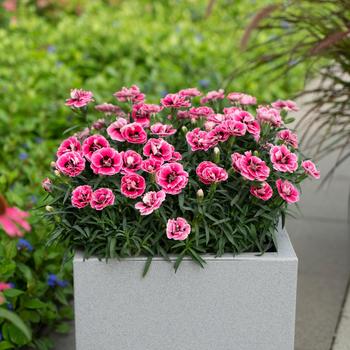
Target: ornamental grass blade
x,y
16,321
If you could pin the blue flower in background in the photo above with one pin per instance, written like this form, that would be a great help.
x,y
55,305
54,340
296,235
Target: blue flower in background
x,y
23,244
1,337
51,49
38,140
23,156
9,306
163,93
204,83
33,199
53,281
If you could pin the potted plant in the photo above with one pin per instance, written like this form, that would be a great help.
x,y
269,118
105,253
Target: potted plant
x,y
195,181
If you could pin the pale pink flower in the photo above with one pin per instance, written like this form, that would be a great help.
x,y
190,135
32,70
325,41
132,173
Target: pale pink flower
x,y
234,127
132,185
203,111
151,165
213,96
217,118
150,202
131,161
283,159
92,144
191,92
197,139
70,164
114,129
69,145
108,109
266,114
178,229
172,178
262,191
132,94
143,112
79,98
81,196
252,167
230,110
158,149
310,169
287,191
13,220
102,198
162,130
288,137
175,101
287,105
134,133
208,125
106,161
241,98
209,173
46,184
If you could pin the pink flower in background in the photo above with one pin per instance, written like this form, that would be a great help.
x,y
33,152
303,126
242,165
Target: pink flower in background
x,y
132,185
46,184
208,125
158,149
262,191
108,109
106,161
288,137
172,178
183,115
114,129
287,191
218,134
92,144
213,96
132,94
234,128
82,135
197,139
283,159
178,229
4,286
151,165
191,92
209,173
131,161
81,196
98,124
150,202
79,98
70,164
252,167
69,145
269,115
235,158
203,111
134,133
287,105
242,99
13,220
102,198
217,118
143,112
175,101
176,156
162,129
310,169
230,110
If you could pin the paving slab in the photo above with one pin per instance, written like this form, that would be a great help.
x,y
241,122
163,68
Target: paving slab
x,y
342,339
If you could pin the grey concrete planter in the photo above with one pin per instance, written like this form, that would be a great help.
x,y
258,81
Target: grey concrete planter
x,y
245,302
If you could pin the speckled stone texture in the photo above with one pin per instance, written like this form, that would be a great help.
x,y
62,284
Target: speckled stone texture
x,y
245,302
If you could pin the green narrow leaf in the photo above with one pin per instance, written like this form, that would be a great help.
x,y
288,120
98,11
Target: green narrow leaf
x,y
16,321
147,266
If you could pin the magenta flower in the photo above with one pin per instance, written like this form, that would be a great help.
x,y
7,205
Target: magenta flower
x,y
46,184
81,196
176,156
191,92
132,94
183,115
310,169
158,149
287,191
79,98
172,178
69,145
242,99
234,128
236,158
162,130
106,161
114,129
102,198
287,105
98,124
288,137
269,115
218,134
262,191
175,101
150,202
151,165
70,164
132,185
131,161
178,229
251,167
253,127
231,110
4,286
197,139
108,109
143,112
209,173
203,111
133,133
93,144
213,96
283,159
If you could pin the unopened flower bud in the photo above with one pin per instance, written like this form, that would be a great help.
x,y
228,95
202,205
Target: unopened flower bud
x,y
216,154
53,165
256,153
49,209
200,195
57,173
98,124
47,185
184,129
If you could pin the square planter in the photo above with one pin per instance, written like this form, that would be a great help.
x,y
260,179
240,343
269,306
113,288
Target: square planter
x,y
245,302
